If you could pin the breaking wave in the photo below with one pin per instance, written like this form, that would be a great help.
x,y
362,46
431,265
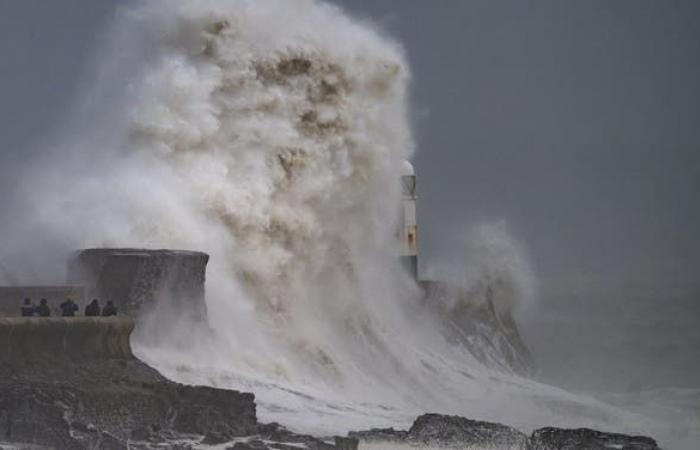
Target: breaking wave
x,y
271,135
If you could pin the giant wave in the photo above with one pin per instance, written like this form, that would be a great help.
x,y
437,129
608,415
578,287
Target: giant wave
x,y
271,135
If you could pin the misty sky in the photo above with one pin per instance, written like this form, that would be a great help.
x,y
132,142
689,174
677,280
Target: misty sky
x,y
578,123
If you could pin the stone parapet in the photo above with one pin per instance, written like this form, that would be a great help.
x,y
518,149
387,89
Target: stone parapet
x,y
25,339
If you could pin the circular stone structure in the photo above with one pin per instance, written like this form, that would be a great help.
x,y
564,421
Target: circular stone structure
x,y
138,280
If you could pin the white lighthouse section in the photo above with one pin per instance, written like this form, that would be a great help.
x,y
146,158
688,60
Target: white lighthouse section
x,y
408,232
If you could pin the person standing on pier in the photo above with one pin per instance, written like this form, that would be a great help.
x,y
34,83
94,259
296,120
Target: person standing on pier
x,y
68,308
109,309
43,309
27,308
93,309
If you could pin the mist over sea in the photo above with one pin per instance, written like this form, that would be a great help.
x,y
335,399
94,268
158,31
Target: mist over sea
x,y
271,135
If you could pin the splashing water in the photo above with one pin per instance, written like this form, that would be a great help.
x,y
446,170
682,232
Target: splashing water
x,y
271,134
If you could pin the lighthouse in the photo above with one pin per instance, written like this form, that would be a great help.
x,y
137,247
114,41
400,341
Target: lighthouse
x,y
408,231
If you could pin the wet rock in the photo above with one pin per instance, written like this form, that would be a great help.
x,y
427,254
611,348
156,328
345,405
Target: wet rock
x,y
215,437
254,444
449,431
587,439
75,384
291,441
108,442
438,430
141,434
379,435
277,437
218,413
82,408
347,443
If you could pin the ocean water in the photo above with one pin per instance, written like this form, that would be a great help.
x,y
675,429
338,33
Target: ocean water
x,y
271,134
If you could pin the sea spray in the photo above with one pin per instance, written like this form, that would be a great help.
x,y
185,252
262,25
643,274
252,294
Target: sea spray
x,y
271,135
284,125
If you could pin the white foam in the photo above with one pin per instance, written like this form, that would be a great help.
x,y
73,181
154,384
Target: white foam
x,y
271,134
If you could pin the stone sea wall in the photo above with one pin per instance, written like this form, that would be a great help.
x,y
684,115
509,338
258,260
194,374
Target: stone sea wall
x,y
72,338
73,383
137,280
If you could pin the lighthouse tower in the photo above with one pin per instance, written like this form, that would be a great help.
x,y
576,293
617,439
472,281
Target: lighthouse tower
x,y
408,227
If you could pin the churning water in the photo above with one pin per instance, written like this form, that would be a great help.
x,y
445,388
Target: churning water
x,y
271,135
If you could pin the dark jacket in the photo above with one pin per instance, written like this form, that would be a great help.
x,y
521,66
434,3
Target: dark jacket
x,y
27,311
68,308
92,310
109,310
43,310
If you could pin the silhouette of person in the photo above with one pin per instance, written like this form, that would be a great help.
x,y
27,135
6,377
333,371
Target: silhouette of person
x,y
109,309
27,308
68,308
43,309
93,309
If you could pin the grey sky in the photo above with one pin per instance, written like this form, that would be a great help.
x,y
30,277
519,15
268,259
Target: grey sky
x,y
576,122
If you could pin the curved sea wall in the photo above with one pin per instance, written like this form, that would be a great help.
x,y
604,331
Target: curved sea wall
x,y
139,280
49,338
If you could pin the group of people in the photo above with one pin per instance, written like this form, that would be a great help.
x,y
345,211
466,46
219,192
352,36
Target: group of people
x,y
68,309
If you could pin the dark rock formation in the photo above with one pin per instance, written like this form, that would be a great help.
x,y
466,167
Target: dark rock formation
x,y
72,383
586,439
346,443
275,437
451,432
380,435
107,403
437,430
136,279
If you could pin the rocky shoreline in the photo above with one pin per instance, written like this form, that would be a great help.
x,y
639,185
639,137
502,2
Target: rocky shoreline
x,y
73,383
454,432
124,404
120,405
